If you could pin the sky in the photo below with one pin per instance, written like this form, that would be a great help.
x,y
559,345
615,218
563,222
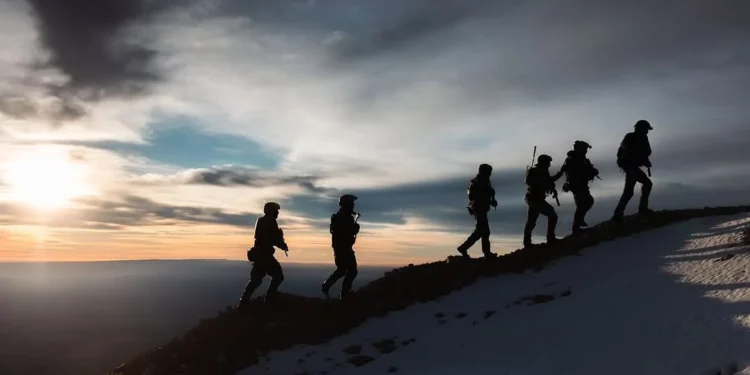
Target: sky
x,y
135,129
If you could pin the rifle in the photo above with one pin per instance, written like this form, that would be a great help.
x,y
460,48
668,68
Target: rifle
x,y
532,161
356,218
554,194
649,171
286,251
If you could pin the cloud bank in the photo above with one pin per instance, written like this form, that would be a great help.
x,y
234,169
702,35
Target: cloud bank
x,y
395,101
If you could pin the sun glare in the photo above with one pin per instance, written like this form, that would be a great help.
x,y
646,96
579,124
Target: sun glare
x,y
46,180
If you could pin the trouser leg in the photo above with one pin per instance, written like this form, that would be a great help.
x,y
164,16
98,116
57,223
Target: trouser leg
x,y
627,192
350,265
277,277
481,231
532,215
257,274
547,210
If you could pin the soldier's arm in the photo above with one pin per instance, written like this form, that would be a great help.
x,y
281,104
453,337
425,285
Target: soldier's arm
x,y
493,201
282,243
594,171
566,166
261,231
279,240
556,176
472,191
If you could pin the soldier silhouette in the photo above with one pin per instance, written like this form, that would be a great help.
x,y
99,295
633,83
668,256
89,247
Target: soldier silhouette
x,y
267,235
481,197
578,172
634,153
344,230
540,184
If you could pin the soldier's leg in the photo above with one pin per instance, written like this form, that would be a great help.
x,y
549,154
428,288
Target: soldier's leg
x,y
257,274
584,202
547,210
483,226
646,186
475,235
532,215
277,277
338,273
578,197
351,274
627,192
588,204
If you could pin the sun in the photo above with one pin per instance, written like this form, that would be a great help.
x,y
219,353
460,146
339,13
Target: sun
x,y
47,179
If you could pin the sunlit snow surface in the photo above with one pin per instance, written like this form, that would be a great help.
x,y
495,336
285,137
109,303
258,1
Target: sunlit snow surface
x,y
660,302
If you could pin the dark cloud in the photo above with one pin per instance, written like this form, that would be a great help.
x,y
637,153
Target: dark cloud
x,y
443,202
424,19
127,211
237,176
18,107
91,44
56,110
492,51
87,41
705,149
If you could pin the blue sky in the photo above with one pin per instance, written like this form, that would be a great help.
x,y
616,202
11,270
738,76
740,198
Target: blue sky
x,y
178,121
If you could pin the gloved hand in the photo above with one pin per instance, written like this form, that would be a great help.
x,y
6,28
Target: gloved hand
x,y
648,163
493,203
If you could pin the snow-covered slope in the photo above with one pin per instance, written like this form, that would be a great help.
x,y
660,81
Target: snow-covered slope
x,y
659,302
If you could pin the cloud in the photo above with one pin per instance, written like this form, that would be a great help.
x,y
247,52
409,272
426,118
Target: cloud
x,y
52,109
126,211
421,19
232,176
92,50
90,41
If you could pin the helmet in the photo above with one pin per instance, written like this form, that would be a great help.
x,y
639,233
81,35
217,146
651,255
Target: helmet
x,y
581,144
643,124
485,168
271,207
544,159
347,199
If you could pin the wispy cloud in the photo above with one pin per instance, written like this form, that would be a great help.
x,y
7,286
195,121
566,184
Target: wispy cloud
x,y
232,176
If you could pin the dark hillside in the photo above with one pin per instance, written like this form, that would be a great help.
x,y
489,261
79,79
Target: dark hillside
x,y
232,341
